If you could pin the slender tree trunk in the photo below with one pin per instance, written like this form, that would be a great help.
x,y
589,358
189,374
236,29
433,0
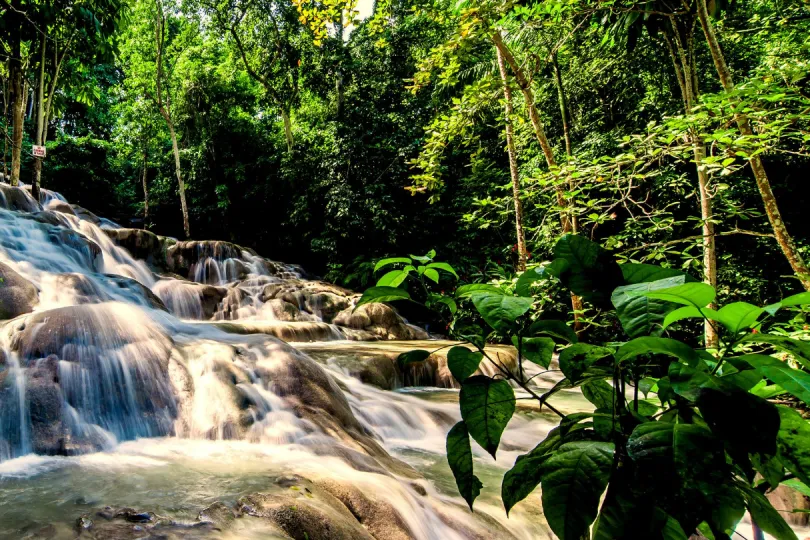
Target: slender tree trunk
x,y
6,97
540,134
683,59
513,165
145,188
285,116
17,108
40,112
178,172
781,233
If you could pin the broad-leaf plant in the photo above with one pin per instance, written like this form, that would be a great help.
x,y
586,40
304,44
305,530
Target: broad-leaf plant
x,y
680,440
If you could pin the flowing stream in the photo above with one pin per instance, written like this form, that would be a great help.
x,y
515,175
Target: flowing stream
x,y
198,390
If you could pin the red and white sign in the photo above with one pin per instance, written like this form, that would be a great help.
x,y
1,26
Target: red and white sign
x,y
38,151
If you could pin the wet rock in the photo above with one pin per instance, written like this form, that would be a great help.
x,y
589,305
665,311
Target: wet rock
x,y
182,256
17,294
144,245
86,214
17,198
218,514
45,406
138,289
303,518
81,248
51,218
84,289
317,298
55,205
111,523
785,500
381,321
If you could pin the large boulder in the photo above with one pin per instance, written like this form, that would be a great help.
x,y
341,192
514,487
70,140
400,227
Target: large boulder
x,y
144,245
380,320
17,294
17,198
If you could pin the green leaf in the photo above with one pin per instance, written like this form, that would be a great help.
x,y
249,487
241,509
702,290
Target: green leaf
x,y
743,420
500,311
738,316
463,362
525,281
459,455
557,329
600,393
689,312
573,480
770,467
801,299
766,517
577,358
393,260
792,380
645,273
416,356
432,275
443,266
424,258
798,348
687,381
641,315
381,295
487,405
525,475
591,272
473,288
798,485
537,350
658,345
392,279
688,294
794,443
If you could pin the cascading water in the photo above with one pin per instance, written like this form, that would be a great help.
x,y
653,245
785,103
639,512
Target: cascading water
x,y
138,371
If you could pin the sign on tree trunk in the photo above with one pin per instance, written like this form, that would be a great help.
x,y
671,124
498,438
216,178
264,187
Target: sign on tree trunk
x,y
38,151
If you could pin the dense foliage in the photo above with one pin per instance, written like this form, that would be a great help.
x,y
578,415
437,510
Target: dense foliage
x,y
680,440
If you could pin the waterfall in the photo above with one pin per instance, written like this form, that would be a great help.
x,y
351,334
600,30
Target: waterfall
x,y
138,370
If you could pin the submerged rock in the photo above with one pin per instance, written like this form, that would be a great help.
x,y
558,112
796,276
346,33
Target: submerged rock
x,y
144,245
17,198
17,294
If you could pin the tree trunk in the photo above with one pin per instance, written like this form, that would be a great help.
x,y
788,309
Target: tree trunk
x,y
285,116
146,188
180,183
17,108
780,231
339,77
513,166
681,50
534,116
40,112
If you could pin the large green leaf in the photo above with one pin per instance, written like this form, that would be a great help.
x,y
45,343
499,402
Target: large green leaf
x,y
658,345
415,356
739,316
689,312
687,382
424,258
794,443
573,480
792,380
463,362
459,456
465,291
525,475
645,273
392,279
687,294
798,485
591,272
800,299
600,393
538,350
487,405
443,266
392,260
577,358
746,422
381,295
766,517
555,329
500,311
641,315
798,348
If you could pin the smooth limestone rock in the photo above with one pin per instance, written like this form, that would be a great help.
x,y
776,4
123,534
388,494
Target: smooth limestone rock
x,y
144,245
17,198
381,321
85,214
17,294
